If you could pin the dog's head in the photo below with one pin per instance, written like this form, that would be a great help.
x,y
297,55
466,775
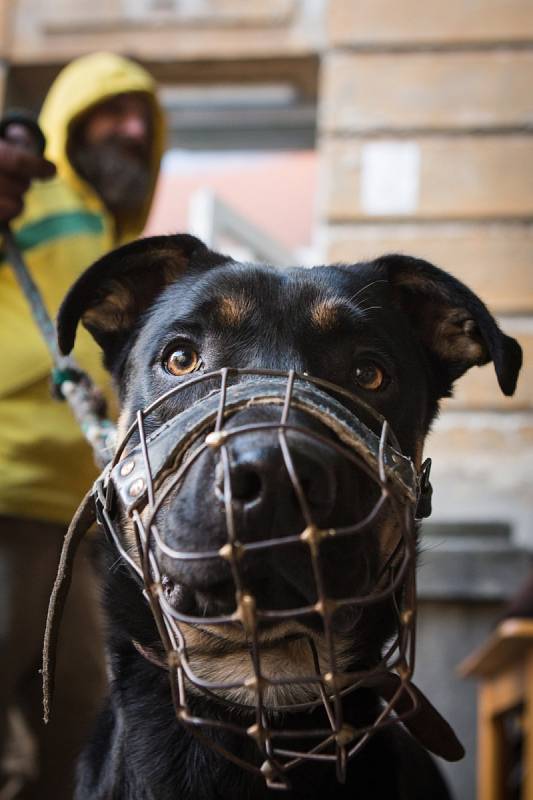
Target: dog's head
x,y
394,333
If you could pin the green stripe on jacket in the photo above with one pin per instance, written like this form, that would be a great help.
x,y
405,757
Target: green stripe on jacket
x,y
57,226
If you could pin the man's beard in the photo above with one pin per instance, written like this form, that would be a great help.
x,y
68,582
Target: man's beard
x,y
118,171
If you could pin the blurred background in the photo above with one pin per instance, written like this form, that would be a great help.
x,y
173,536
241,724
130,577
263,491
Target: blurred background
x,y
311,131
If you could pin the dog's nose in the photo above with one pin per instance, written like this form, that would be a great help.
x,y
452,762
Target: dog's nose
x,y
258,484
261,478
246,482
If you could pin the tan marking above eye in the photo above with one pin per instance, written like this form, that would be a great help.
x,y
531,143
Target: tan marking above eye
x,y
324,313
182,360
369,376
235,309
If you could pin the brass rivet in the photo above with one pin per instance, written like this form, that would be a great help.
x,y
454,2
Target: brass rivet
x,y
256,732
137,487
127,467
246,611
329,678
226,551
407,616
345,735
267,769
403,671
231,551
312,536
325,607
174,659
308,534
215,439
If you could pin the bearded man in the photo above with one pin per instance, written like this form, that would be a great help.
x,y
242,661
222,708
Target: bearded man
x,y
92,192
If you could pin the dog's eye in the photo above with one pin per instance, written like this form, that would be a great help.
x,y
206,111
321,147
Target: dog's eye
x,y
181,360
369,376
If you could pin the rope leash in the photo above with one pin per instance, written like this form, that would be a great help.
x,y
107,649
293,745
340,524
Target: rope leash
x,y
84,517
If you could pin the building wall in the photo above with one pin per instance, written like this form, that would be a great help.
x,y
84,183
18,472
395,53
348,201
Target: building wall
x,y
426,148
166,29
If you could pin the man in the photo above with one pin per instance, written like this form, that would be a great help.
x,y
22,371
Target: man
x,y
104,133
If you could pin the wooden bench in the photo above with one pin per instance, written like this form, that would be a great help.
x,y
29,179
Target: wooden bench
x,y
504,667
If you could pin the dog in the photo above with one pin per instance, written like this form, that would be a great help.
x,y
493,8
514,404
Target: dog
x,y
397,332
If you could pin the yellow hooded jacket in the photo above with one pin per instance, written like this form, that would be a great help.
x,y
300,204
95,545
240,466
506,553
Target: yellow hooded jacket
x,y
45,464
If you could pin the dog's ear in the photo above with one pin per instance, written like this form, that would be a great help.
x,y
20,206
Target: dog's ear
x,y
451,321
113,293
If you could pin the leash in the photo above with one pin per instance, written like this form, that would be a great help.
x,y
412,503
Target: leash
x,y
71,382
83,519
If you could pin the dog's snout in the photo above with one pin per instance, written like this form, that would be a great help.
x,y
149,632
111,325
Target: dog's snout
x,y
259,483
261,477
246,483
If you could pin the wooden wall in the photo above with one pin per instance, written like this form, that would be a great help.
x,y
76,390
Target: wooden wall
x,y
165,31
426,147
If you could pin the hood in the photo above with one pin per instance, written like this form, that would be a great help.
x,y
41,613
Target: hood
x,y
82,84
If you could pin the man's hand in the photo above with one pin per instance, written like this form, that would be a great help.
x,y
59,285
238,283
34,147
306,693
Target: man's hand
x,y
18,168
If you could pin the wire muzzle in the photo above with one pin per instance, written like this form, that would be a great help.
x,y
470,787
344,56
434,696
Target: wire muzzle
x,y
148,471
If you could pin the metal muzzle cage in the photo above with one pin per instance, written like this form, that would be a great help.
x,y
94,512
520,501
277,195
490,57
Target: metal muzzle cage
x,y
148,469
130,490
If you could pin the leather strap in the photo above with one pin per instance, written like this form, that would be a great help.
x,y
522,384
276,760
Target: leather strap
x,y
84,517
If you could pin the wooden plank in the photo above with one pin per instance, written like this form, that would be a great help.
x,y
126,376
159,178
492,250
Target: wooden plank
x,y
171,42
494,260
67,15
490,750
511,640
240,29
506,683
6,11
487,440
388,22
482,467
438,177
475,90
527,754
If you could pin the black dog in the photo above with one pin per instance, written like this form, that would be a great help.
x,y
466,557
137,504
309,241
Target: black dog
x,y
398,332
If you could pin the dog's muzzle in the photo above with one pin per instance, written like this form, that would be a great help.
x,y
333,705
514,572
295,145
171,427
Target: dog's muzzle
x,y
149,470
